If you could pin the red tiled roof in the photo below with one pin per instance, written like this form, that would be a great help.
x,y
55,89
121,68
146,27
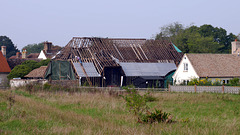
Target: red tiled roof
x,y
4,67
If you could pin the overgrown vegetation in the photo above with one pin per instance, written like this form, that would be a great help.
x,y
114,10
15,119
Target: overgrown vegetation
x,y
90,111
217,82
26,67
138,105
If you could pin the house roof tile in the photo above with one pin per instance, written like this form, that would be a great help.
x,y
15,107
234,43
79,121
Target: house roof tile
x,y
37,73
4,67
215,65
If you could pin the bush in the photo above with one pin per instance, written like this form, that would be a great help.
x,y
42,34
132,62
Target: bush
x,y
234,82
19,71
46,86
137,104
157,116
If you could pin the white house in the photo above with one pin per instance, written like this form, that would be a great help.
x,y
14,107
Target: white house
x,y
213,66
42,55
49,51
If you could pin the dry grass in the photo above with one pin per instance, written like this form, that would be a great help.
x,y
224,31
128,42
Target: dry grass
x,y
101,113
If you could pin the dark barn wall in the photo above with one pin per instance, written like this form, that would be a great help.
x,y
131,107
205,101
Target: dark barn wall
x,y
112,76
141,82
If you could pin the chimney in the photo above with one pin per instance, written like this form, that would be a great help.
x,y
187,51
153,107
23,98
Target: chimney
x,y
47,46
3,49
18,55
24,54
235,47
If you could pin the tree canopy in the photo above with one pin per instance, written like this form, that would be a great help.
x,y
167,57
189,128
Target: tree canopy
x,y
11,49
34,48
193,39
26,67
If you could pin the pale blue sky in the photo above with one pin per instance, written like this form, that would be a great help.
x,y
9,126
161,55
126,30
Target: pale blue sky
x,y
34,21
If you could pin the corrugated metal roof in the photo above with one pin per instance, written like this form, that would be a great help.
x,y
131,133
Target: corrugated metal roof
x,y
147,69
89,68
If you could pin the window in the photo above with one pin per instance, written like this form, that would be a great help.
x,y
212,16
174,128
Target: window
x,y
185,66
227,81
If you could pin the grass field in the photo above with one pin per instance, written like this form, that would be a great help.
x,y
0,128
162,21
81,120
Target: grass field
x,y
102,113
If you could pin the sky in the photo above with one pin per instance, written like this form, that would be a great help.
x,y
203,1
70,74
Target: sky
x,y
57,21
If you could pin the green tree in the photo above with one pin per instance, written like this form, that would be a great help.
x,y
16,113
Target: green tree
x,y
170,30
26,67
19,71
193,39
11,49
34,48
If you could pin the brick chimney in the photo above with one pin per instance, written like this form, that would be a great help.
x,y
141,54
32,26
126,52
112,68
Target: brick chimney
x,y
235,47
47,47
3,49
18,55
24,54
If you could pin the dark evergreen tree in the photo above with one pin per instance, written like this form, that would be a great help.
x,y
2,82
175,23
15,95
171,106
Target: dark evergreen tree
x,y
11,49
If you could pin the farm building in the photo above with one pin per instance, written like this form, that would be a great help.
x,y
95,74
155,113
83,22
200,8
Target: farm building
x,y
120,62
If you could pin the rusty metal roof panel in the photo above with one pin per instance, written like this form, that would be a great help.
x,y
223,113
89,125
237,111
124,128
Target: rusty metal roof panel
x,y
89,68
147,69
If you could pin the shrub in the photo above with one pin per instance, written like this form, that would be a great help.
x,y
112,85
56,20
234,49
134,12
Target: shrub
x,y
138,105
46,86
234,82
19,71
157,116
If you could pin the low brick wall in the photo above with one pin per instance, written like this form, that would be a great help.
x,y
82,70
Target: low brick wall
x,y
215,89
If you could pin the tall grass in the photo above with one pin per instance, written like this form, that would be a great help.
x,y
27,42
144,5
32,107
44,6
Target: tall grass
x,y
43,112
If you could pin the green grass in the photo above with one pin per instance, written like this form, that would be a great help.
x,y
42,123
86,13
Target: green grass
x,y
95,113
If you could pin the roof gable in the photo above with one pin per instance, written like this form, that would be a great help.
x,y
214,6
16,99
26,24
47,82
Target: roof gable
x,y
4,67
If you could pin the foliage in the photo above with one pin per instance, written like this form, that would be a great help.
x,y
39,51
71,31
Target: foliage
x,y
234,82
31,64
217,82
34,48
138,105
135,102
19,71
10,48
193,39
26,67
157,116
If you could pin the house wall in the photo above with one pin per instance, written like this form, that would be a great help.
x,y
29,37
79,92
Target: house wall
x,y
3,80
182,75
42,55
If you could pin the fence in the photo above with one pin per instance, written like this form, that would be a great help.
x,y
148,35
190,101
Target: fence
x,y
215,89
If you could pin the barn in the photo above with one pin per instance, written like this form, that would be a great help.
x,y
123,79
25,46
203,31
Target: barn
x,y
120,61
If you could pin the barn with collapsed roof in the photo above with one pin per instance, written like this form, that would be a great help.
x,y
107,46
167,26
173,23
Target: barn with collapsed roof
x,y
118,62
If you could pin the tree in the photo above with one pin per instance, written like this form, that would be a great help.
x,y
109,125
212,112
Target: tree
x,y
11,49
26,67
193,39
34,48
170,30
19,71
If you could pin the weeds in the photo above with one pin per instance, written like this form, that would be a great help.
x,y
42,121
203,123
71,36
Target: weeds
x,y
138,105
